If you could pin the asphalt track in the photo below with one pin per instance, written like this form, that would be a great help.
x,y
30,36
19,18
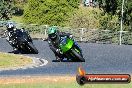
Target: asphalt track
x,y
100,58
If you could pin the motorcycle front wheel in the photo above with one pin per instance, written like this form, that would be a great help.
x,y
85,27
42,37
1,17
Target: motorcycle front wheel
x,y
77,56
32,48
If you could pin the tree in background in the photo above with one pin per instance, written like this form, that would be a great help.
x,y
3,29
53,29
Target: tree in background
x,y
5,9
11,7
18,7
51,12
113,7
85,17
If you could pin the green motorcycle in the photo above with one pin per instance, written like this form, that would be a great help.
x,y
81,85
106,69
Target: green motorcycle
x,y
71,50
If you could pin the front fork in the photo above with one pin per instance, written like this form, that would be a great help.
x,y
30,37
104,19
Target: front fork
x,y
77,46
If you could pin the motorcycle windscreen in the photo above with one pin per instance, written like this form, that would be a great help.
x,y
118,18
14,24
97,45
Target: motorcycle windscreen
x,y
22,35
66,44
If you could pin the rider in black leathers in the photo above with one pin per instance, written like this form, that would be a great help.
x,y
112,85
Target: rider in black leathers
x,y
11,32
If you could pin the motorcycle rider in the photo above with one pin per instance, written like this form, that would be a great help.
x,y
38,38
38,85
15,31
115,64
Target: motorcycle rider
x,y
54,36
10,33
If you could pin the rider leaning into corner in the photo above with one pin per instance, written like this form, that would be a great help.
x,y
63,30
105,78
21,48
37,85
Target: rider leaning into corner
x,y
54,36
10,33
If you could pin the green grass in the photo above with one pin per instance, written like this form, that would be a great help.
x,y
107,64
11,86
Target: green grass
x,y
65,85
11,60
17,19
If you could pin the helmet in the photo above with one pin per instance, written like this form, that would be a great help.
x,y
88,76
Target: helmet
x,y
52,32
10,26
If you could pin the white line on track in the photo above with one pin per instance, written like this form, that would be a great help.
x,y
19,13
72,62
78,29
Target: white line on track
x,y
37,62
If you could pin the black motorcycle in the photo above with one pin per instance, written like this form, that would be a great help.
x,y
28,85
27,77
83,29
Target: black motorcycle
x,y
22,41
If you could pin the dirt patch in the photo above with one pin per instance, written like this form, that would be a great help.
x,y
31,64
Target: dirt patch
x,y
36,79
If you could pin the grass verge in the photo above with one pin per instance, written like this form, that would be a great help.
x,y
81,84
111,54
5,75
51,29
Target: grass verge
x,y
11,60
17,19
52,82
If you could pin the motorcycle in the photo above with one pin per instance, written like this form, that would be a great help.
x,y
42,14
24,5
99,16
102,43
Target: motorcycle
x,y
23,42
71,50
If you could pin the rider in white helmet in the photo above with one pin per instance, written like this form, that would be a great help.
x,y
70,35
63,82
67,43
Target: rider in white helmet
x,y
11,28
11,31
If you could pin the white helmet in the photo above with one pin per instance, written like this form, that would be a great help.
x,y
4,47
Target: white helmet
x,y
10,26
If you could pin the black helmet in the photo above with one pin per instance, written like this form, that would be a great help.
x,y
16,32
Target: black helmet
x,y
10,26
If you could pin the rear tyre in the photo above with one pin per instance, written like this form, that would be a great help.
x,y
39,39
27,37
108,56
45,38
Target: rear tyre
x,y
78,57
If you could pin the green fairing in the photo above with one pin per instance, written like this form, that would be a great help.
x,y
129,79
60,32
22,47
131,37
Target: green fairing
x,y
67,46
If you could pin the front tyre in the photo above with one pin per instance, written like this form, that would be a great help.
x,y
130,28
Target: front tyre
x,y
32,48
78,57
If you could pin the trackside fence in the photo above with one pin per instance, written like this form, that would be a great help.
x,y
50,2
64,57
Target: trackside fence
x,y
80,34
